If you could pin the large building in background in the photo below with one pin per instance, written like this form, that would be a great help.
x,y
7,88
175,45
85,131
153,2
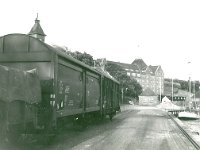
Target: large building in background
x,y
148,76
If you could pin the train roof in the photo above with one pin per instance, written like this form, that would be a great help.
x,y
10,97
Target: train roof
x,y
23,43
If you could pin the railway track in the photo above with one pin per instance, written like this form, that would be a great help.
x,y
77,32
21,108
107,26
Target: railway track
x,y
185,134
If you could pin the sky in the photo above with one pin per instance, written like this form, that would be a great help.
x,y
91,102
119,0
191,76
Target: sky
x,y
161,32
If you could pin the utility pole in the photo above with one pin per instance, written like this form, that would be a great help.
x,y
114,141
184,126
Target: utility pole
x,y
160,88
190,86
172,90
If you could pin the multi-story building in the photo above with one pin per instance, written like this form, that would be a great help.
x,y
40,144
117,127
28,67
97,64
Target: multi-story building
x,y
151,77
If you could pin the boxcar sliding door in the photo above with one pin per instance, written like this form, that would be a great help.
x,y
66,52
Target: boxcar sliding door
x,y
69,90
92,92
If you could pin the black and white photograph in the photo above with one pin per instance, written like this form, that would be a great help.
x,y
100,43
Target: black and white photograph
x,y
100,75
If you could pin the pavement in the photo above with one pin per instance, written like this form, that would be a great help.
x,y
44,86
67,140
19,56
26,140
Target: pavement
x,y
194,135
125,107
138,128
134,128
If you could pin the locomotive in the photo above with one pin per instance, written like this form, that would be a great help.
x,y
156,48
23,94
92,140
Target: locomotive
x,y
41,87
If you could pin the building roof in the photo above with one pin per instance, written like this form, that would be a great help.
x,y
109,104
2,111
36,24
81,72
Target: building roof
x,y
138,66
37,29
153,68
140,63
148,92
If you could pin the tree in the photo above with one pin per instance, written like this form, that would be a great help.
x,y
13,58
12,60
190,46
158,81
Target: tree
x,y
184,85
83,57
131,87
134,89
115,70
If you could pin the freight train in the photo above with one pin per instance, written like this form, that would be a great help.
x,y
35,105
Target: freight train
x,y
41,87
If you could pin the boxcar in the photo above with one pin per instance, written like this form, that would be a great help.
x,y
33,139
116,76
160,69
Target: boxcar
x,y
69,88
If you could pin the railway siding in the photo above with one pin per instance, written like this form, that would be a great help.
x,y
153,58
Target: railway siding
x,y
193,137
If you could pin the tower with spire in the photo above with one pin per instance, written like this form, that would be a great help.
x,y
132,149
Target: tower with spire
x,y
37,31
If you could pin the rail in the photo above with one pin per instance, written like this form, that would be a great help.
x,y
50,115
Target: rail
x,y
185,134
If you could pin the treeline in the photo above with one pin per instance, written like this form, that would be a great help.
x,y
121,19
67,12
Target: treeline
x,y
83,57
184,85
130,86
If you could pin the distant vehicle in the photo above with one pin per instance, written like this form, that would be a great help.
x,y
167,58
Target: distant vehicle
x,y
60,88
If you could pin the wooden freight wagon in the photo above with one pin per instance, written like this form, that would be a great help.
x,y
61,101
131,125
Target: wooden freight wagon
x,y
69,88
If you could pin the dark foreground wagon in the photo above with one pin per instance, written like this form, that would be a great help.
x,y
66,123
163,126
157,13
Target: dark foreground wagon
x,y
65,89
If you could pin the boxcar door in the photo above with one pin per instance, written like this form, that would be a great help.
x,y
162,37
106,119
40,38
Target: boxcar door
x,y
70,90
93,92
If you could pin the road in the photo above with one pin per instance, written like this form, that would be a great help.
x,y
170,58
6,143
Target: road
x,y
139,128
